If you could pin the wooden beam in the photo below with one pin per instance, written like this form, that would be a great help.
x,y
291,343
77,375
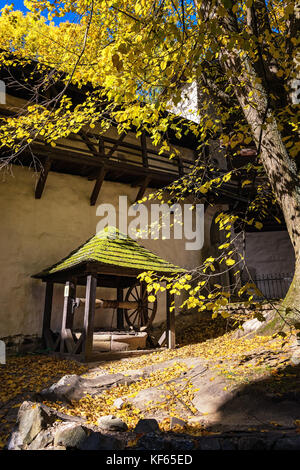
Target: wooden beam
x,y
88,143
89,315
120,311
116,166
180,166
102,303
116,145
97,187
142,189
101,146
171,340
43,178
46,331
144,150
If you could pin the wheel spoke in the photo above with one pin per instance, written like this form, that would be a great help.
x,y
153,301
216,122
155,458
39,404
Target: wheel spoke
x,y
132,313
135,317
131,293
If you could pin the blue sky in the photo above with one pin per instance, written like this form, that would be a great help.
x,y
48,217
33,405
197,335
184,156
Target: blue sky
x,y
19,5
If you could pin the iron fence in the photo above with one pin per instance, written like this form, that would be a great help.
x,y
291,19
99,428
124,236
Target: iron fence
x,y
273,286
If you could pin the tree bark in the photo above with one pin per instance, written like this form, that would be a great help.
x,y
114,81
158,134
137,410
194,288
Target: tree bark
x,y
281,170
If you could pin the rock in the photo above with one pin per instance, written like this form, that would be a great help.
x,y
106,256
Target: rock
x,y
176,422
63,390
54,448
295,358
74,387
41,441
254,443
32,418
98,441
227,444
111,423
70,435
69,418
15,441
119,403
152,441
181,445
146,426
288,443
209,443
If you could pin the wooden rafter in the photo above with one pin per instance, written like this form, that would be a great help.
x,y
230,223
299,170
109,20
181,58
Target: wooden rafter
x,y
43,178
97,187
88,143
142,189
116,145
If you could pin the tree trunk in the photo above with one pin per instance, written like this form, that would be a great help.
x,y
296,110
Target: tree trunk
x,y
280,168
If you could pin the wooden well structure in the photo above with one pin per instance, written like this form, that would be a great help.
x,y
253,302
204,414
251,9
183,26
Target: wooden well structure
x,y
113,260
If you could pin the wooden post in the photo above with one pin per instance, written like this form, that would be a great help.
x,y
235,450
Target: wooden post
x,y
66,338
171,340
89,314
120,311
46,332
144,149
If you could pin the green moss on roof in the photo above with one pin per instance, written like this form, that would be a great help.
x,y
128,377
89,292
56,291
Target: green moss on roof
x,y
112,247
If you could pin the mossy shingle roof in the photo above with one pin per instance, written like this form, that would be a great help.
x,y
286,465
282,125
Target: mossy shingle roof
x,y
112,247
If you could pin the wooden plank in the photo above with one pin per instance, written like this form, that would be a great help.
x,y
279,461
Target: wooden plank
x,y
43,178
102,303
142,189
144,150
120,311
162,339
67,340
46,331
89,315
97,187
171,340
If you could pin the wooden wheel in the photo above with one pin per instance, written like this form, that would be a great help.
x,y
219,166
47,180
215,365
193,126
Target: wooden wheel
x,y
144,314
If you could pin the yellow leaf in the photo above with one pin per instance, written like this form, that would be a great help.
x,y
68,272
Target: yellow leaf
x,y
230,262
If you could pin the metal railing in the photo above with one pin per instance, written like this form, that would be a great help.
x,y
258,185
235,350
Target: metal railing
x,y
273,286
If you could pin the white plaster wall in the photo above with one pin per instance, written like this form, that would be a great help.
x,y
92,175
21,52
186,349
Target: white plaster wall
x,y
188,106
37,233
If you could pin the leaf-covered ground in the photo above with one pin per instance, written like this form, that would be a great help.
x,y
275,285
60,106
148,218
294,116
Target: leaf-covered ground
x,y
236,361
23,376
